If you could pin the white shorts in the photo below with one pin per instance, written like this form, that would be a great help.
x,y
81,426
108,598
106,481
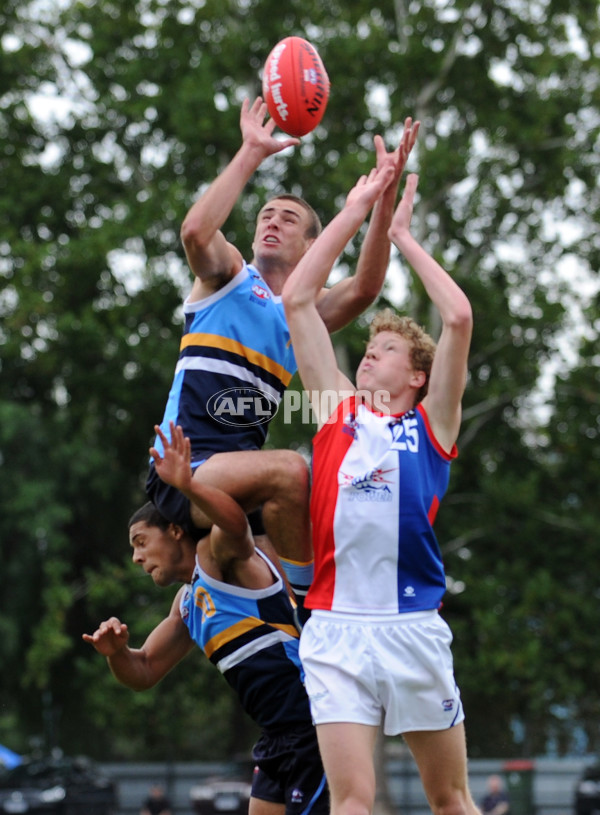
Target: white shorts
x,y
360,668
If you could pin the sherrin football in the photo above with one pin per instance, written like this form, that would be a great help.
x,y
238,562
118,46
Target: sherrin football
x,y
295,86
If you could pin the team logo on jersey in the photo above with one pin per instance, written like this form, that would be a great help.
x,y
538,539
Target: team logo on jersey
x,y
370,486
185,612
260,294
204,602
350,425
242,407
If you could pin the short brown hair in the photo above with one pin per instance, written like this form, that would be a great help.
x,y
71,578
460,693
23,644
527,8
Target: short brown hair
x,y
421,345
314,225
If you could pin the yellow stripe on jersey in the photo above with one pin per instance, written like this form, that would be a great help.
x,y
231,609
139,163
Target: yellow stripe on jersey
x,y
301,563
227,344
234,631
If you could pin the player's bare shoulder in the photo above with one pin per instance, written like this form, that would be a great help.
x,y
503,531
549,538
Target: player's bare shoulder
x,y
252,573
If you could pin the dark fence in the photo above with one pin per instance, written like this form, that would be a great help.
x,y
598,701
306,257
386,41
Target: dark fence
x,y
538,787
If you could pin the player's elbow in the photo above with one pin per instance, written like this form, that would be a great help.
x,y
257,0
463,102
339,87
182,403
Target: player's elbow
x,y
293,297
461,318
140,687
135,683
187,230
365,289
363,297
137,678
141,683
192,235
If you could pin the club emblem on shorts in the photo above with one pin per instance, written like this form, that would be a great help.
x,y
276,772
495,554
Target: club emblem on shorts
x,y
448,705
297,796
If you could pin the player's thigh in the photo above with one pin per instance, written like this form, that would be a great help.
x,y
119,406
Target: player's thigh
x,y
441,756
255,476
260,807
347,753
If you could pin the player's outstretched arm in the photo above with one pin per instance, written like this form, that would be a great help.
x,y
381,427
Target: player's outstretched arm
x,y
230,537
313,348
210,256
141,668
348,298
448,373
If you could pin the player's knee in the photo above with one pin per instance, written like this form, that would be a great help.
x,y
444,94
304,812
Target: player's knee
x,y
295,471
451,803
352,805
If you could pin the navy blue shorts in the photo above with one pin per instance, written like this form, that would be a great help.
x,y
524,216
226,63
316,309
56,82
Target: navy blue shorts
x,y
175,507
289,771
172,504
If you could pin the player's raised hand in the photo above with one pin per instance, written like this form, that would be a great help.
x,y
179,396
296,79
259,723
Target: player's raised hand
x,y
175,465
397,158
369,187
111,636
407,142
403,215
258,133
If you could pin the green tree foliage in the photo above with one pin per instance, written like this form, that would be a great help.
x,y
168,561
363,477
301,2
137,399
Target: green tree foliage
x,y
112,118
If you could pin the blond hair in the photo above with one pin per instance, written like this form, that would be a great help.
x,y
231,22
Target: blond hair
x,y
421,345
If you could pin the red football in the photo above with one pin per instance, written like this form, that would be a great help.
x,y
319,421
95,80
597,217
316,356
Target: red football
x,y
295,86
